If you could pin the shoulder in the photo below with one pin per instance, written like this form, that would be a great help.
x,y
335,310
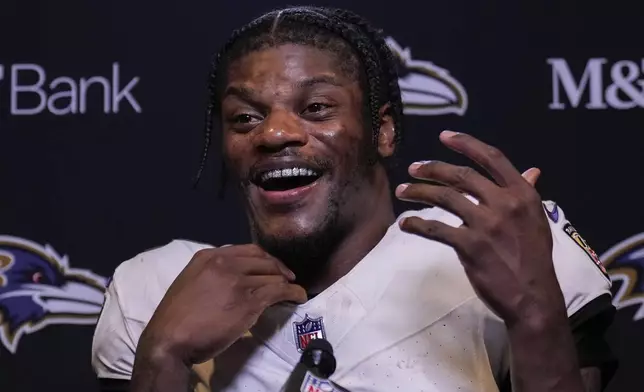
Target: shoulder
x,y
425,267
580,273
585,285
131,297
172,256
142,281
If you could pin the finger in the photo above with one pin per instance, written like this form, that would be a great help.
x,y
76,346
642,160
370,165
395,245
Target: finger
x,y
254,282
488,157
251,250
271,294
254,250
434,230
532,175
290,275
441,196
257,250
463,178
262,266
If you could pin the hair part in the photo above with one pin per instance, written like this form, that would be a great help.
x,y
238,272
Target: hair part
x,y
360,48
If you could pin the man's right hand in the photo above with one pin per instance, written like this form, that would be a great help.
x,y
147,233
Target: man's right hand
x,y
217,298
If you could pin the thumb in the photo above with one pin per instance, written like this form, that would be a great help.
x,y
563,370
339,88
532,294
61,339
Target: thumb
x,y
532,175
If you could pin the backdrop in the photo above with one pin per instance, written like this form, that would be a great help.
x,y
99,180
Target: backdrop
x,y
101,119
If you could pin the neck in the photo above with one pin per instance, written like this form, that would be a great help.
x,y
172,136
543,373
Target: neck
x,y
375,215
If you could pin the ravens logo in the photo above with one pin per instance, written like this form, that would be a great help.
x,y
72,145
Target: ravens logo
x,y
625,264
38,288
426,89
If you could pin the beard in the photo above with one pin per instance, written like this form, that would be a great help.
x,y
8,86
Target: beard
x,y
306,254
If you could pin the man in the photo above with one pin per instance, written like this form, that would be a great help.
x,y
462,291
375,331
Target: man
x,y
490,289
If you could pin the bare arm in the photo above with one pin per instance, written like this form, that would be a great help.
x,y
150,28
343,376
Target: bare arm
x,y
543,356
159,372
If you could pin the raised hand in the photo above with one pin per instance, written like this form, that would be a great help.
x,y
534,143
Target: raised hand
x,y
504,243
505,246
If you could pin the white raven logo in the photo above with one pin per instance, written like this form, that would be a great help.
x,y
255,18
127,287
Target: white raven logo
x,y
426,88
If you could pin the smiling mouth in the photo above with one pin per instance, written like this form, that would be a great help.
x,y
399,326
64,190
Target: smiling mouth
x,y
286,179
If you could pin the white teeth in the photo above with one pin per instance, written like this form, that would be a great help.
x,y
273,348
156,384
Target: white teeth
x,y
285,173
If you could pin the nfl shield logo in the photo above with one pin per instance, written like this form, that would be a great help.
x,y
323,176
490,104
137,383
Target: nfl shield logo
x,y
307,330
312,383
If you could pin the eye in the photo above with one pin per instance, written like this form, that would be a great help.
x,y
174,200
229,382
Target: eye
x,y
242,119
315,107
239,122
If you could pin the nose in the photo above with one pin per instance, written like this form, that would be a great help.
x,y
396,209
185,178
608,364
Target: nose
x,y
279,131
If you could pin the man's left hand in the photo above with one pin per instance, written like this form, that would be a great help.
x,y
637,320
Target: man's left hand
x,y
504,243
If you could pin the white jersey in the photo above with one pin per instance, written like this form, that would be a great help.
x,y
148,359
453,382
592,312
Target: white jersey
x,y
405,318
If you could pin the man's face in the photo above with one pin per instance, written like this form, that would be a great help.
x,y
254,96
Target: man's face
x,y
295,139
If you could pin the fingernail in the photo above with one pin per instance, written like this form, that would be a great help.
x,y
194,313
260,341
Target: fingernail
x,y
290,274
401,188
449,133
418,164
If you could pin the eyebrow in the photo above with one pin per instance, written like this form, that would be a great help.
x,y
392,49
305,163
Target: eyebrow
x,y
320,79
249,94
245,93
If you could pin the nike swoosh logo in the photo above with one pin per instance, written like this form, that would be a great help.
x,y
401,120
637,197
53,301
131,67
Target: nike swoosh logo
x,y
554,214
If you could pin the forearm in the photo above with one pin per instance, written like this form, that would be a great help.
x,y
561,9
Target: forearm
x,y
543,356
159,373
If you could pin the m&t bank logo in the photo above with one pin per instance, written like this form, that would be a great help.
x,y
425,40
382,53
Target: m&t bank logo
x,y
32,92
601,85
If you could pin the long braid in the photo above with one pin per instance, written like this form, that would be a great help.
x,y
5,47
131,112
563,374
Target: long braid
x,y
305,25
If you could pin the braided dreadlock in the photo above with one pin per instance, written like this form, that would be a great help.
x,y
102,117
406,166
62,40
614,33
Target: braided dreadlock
x,y
361,48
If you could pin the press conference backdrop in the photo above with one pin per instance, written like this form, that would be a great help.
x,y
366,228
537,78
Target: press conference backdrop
x,y
101,118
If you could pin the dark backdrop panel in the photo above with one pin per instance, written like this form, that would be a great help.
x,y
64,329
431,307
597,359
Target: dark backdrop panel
x,y
99,186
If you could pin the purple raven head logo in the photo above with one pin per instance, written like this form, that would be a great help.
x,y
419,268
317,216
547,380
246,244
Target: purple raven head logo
x,y
38,288
625,264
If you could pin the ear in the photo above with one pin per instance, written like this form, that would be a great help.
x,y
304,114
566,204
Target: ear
x,y
387,134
